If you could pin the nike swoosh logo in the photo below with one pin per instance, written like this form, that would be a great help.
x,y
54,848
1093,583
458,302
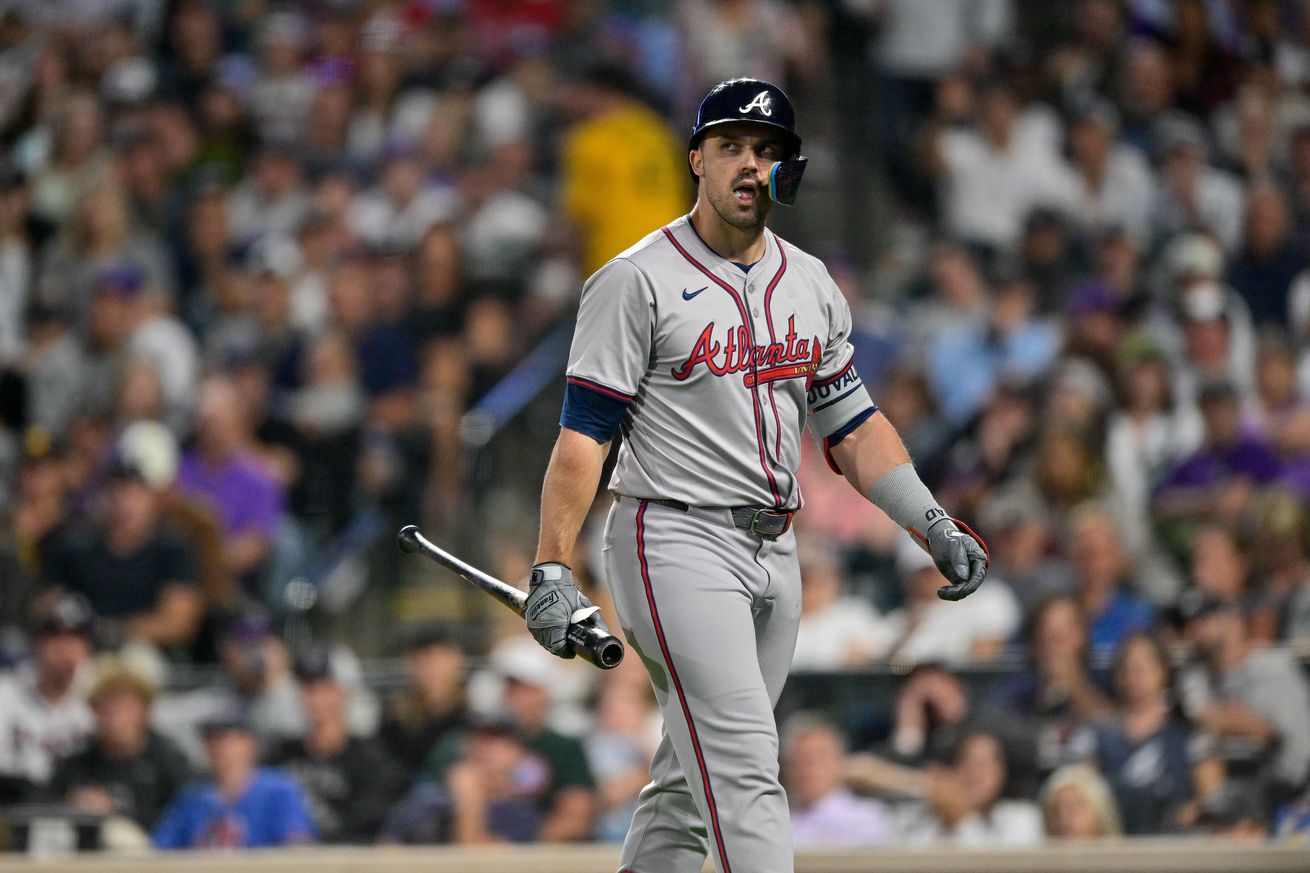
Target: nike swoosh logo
x,y
687,295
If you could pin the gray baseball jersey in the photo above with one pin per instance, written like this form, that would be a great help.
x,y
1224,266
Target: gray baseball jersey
x,y
716,368
711,372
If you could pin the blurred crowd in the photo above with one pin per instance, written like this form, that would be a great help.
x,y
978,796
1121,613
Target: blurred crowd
x,y
259,260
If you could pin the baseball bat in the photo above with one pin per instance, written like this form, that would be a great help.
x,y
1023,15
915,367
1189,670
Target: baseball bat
x,y
590,639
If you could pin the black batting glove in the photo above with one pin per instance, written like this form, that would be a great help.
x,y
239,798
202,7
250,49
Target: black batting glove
x,y
961,557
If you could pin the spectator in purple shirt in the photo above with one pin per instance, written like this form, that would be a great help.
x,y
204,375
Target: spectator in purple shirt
x,y
824,811
1284,410
221,468
1218,480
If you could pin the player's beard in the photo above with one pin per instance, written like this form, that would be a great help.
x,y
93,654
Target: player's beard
x,y
743,216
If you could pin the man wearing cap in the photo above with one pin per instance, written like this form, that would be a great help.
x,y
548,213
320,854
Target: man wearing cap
x,y
498,786
131,320
492,791
159,338
1195,193
349,782
567,803
258,680
43,707
139,576
241,805
710,346
1219,480
433,705
108,332
1216,338
127,769
1115,187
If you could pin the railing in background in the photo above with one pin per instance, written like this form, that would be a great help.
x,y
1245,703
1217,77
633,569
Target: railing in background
x,y
1122,856
517,389
387,674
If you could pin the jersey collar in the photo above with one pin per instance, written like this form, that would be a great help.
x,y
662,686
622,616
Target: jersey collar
x,y
686,235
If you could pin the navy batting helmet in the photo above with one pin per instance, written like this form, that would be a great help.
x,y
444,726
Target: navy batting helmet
x,y
747,100
757,102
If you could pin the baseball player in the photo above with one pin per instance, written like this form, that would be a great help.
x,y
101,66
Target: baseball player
x,y
709,345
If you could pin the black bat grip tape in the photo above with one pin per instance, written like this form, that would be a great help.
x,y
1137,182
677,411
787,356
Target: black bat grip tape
x,y
595,644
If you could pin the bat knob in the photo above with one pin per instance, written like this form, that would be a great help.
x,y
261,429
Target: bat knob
x,y
407,539
610,654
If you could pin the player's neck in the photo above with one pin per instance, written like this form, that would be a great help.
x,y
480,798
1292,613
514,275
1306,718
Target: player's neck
x,y
728,242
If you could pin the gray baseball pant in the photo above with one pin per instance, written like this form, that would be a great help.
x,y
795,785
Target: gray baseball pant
x,y
712,611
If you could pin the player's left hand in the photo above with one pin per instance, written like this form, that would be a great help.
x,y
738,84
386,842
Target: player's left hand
x,y
553,604
961,557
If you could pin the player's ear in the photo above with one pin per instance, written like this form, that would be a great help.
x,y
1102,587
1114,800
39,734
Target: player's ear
x,y
697,161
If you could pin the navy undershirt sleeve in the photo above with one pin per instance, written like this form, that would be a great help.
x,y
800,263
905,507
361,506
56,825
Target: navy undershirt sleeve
x,y
588,411
830,441
840,434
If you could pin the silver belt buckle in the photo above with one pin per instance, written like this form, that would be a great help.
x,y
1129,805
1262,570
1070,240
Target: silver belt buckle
x,y
755,520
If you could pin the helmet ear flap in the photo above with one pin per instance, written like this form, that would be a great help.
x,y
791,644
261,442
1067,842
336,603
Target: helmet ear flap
x,y
785,179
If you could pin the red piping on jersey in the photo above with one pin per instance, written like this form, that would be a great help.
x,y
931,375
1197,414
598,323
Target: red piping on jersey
x,y
755,397
677,685
599,388
768,319
827,456
835,376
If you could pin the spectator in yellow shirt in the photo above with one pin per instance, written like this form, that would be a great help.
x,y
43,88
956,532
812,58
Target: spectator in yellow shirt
x,y
620,152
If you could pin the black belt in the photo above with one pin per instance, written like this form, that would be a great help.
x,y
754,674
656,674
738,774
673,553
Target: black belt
x,y
764,522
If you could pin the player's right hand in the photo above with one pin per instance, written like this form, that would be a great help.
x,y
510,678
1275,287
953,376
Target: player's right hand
x,y
960,556
553,604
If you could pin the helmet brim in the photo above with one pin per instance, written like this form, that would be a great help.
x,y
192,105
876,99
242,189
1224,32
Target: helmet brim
x,y
791,141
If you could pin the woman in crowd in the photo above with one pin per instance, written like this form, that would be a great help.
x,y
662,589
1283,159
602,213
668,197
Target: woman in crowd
x,y
1142,745
965,803
1059,692
1145,435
